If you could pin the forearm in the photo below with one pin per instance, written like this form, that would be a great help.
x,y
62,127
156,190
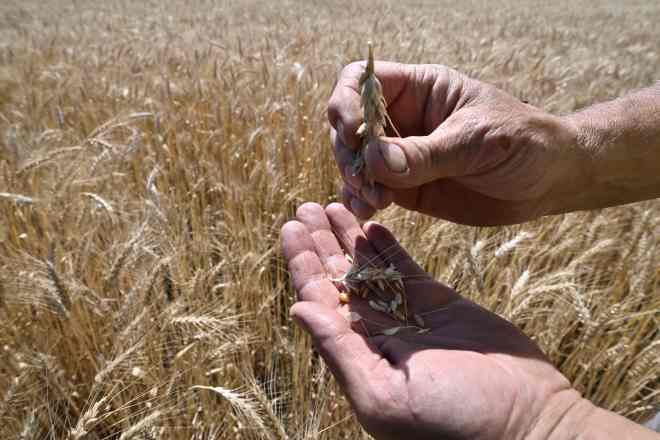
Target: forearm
x,y
618,153
570,417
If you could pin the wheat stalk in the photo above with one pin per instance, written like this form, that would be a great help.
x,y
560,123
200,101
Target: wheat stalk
x,y
237,138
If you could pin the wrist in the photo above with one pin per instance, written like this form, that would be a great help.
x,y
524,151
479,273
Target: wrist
x,y
614,148
563,417
567,415
573,172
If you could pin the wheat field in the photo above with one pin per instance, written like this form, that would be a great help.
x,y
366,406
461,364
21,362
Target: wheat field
x,y
150,152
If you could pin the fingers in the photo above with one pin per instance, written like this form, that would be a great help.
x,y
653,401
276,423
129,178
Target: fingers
x,y
344,112
416,160
349,356
351,236
406,89
363,204
310,278
391,251
424,102
344,157
462,205
377,196
355,204
327,248
345,116
423,293
370,197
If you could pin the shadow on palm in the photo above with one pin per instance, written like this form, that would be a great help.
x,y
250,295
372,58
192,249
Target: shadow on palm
x,y
455,323
472,372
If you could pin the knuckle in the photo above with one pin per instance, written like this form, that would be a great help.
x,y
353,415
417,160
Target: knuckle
x,y
350,69
488,93
336,102
342,117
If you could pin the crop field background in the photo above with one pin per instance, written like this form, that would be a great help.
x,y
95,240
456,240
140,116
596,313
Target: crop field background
x,y
150,152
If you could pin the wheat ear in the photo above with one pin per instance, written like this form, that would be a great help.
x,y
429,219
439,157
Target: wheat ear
x,y
374,110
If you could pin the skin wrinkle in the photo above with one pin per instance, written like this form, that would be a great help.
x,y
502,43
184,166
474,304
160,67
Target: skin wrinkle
x,y
568,155
453,93
516,397
533,426
304,255
539,149
410,404
496,146
510,422
454,400
428,95
337,265
501,167
559,420
439,93
455,129
411,80
397,96
412,154
321,233
343,155
313,286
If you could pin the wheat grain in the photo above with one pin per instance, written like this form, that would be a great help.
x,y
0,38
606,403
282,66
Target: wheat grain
x,y
36,163
141,426
17,198
374,111
30,427
508,246
110,366
87,420
237,133
59,295
120,261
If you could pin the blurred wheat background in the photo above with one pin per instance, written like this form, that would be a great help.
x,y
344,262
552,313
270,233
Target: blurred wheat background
x,y
150,152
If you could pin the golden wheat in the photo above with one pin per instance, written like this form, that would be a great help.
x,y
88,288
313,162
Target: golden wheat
x,y
150,152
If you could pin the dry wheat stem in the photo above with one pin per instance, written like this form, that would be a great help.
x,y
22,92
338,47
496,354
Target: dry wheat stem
x,y
235,138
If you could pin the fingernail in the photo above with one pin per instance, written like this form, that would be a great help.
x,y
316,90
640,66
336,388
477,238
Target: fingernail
x,y
394,157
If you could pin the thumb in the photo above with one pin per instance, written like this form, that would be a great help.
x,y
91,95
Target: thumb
x,y
415,160
349,356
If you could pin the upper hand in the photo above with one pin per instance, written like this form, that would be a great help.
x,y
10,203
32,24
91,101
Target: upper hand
x,y
472,376
469,152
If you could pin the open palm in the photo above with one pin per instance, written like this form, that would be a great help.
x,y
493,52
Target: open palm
x,y
472,375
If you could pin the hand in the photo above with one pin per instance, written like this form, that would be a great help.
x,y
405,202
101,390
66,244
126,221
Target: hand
x,y
469,152
472,376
